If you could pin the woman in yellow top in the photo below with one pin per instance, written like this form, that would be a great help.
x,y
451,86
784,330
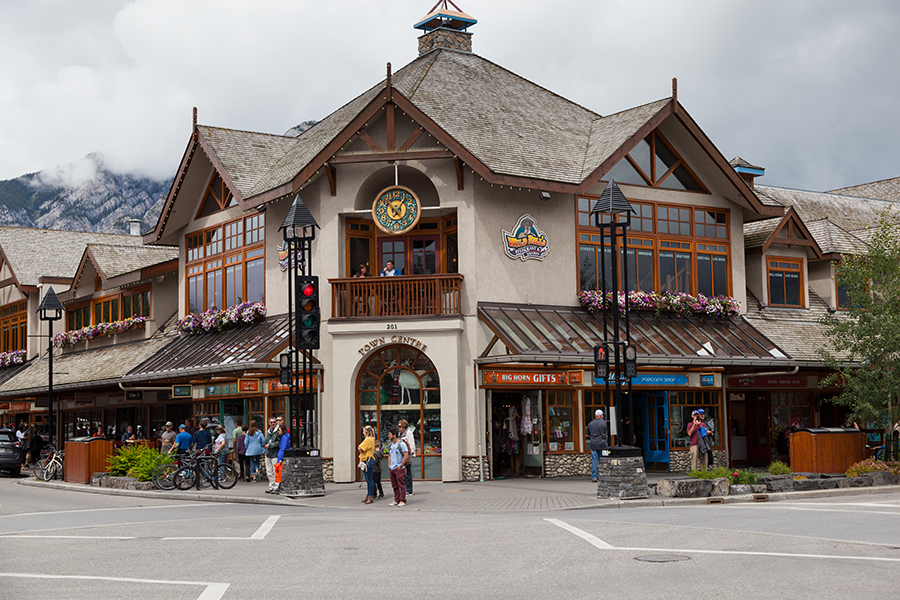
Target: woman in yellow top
x,y
367,463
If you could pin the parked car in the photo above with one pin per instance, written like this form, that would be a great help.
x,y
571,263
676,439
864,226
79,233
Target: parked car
x,y
12,455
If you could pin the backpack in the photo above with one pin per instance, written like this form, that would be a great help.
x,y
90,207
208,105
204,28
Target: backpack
x,y
239,445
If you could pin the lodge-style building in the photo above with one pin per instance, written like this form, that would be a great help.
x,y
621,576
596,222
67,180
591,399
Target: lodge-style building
x,y
478,186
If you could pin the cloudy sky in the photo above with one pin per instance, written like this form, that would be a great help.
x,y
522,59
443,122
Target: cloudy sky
x,y
807,89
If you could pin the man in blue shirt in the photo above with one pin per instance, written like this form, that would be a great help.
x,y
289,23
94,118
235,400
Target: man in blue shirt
x,y
202,439
596,431
399,456
183,439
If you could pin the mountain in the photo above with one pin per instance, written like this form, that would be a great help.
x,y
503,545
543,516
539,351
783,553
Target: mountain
x,y
83,196
298,129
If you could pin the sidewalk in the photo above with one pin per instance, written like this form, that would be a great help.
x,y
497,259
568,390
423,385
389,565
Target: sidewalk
x,y
506,495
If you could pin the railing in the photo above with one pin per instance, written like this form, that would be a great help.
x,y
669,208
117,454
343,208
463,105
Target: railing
x,y
413,296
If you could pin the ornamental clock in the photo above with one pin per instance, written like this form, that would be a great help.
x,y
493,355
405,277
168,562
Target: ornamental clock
x,y
396,209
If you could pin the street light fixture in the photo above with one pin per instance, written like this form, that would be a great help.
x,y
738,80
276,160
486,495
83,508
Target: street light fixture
x,y
608,211
50,310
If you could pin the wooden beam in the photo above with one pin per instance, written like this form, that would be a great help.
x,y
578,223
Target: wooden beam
x,y
331,172
411,139
390,127
460,174
343,159
7,281
369,141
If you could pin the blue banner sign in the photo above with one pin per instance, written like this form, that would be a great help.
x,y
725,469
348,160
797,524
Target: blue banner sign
x,y
707,380
650,380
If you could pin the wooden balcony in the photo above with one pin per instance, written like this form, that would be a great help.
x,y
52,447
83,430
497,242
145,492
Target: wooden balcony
x,y
408,296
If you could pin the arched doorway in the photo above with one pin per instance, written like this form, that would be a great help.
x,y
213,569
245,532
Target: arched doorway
x,y
400,382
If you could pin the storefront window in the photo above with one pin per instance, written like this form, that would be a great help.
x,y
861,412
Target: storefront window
x,y
400,382
682,404
790,409
560,420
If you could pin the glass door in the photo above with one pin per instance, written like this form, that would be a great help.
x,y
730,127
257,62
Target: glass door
x,y
759,430
532,436
656,427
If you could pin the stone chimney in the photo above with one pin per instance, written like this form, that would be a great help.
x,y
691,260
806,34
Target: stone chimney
x,y
445,27
747,171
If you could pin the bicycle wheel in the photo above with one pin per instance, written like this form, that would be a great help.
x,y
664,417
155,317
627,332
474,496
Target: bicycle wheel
x,y
51,472
227,476
41,466
164,477
184,478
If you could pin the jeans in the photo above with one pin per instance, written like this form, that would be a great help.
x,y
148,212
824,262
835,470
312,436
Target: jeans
x,y
398,482
370,477
254,464
595,464
409,478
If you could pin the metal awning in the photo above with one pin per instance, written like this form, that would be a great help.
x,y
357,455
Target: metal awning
x,y
568,334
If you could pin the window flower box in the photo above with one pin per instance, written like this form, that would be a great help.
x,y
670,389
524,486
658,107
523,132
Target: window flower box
x,y
70,338
682,304
217,320
9,359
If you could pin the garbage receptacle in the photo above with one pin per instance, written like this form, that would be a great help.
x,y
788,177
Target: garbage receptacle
x,y
86,456
826,449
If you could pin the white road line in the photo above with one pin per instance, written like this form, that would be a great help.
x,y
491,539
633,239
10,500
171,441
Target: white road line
x,y
87,510
265,528
212,591
604,546
842,510
71,537
582,534
866,504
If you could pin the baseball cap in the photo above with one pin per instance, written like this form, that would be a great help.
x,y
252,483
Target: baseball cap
x,y
182,426
696,412
701,411
598,413
168,423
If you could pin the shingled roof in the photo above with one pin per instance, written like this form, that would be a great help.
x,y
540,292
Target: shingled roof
x,y
36,253
114,260
850,213
886,189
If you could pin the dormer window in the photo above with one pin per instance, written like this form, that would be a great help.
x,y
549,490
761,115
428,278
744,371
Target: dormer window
x,y
217,197
654,163
785,282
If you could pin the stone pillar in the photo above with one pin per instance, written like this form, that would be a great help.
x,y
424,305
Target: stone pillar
x,y
301,475
622,474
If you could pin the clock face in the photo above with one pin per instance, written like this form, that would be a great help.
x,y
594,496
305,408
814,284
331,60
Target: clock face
x,y
396,209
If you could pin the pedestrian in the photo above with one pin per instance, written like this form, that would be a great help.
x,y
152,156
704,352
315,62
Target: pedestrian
x,y
271,446
693,430
202,437
99,432
221,445
596,433
284,442
183,440
407,436
378,456
706,433
189,426
37,444
398,456
129,437
254,444
366,463
168,438
238,430
240,453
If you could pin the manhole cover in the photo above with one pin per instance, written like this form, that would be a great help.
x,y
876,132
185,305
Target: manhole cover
x,y
454,491
662,558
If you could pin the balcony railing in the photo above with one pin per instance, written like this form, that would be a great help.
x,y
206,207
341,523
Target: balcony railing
x,y
413,296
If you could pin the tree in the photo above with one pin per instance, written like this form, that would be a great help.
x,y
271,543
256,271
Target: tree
x,y
864,340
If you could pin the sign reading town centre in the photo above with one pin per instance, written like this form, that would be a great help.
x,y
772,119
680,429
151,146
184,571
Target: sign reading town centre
x,y
525,241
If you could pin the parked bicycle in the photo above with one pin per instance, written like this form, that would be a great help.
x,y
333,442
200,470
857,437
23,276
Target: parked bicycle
x,y
52,466
205,470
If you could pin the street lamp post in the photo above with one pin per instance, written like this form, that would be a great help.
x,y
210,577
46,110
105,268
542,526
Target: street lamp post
x,y
50,310
608,211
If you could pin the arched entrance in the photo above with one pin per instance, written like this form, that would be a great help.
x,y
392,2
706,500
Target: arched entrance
x,y
400,382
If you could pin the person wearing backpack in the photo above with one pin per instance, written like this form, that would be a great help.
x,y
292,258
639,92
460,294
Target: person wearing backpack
x,y
410,440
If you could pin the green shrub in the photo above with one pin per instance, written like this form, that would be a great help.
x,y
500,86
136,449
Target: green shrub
x,y
713,473
779,468
745,476
870,465
136,461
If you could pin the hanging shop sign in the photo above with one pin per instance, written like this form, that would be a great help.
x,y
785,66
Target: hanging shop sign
x,y
277,386
396,209
541,378
767,382
525,241
84,398
20,406
250,386
182,391
651,380
4,405
707,380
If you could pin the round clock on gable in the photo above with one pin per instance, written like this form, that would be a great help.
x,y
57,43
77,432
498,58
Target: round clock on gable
x,y
396,209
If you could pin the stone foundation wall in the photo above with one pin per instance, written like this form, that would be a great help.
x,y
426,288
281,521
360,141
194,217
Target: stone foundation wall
x,y
328,470
622,477
680,461
471,471
445,38
567,465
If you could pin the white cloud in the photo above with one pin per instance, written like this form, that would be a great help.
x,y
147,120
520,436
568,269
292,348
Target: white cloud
x,y
805,88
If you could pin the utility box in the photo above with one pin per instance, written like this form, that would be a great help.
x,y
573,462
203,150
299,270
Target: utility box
x,y
86,456
827,449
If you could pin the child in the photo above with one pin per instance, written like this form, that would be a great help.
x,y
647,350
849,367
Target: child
x,y
378,455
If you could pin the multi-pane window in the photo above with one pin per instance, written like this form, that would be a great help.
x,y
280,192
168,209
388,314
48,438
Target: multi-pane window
x,y
106,310
13,325
682,404
785,282
656,259
843,296
79,317
654,163
226,264
136,304
216,198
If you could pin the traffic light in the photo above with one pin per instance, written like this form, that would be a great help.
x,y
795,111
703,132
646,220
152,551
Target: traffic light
x,y
601,363
630,362
285,373
308,314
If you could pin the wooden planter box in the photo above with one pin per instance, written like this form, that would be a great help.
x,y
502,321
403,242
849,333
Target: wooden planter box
x,y
826,450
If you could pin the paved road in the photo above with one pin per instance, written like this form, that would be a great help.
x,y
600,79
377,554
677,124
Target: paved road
x,y
74,545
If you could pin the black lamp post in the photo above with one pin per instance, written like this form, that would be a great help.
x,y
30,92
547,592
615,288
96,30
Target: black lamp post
x,y
51,309
298,231
607,213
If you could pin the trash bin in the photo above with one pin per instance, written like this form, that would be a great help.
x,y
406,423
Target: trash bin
x,y
86,456
827,449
